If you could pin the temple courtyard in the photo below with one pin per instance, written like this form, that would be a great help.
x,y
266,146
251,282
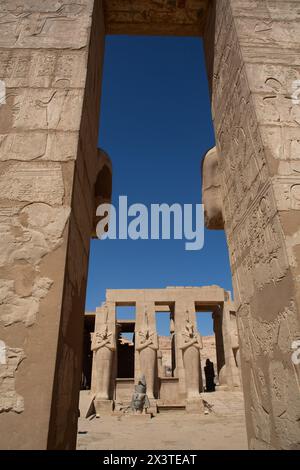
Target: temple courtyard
x,y
223,428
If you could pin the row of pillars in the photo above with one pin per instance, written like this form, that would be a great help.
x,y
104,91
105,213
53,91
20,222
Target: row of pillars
x,y
183,325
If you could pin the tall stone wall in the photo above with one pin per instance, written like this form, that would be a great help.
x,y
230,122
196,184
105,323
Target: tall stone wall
x,y
48,163
252,49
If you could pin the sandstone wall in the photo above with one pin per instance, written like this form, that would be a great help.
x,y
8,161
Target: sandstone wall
x,y
252,49
48,157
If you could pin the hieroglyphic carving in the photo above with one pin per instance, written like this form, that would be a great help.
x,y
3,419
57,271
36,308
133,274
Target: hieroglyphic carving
x,y
256,124
45,49
30,232
165,16
41,109
42,26
15,308
257,249
42,182
47,69
287,192
260,337
11,358
38,145
260,416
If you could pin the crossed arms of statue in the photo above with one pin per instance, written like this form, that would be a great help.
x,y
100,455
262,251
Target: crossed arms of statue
x,y
187,341
146,339
102,339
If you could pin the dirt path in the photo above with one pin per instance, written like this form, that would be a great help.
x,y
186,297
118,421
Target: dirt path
x,y
223,428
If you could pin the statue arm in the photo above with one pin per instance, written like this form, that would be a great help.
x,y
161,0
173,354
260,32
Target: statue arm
x,y
111,345
199,341
186,345
147,402
154,342
94,345
105,342
142,346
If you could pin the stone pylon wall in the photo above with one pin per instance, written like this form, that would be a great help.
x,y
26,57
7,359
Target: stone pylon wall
x,y
252,67
48,163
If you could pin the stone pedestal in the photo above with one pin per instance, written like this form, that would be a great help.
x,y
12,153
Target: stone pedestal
x,y
221,388
103,407
153,407
138,417
194,405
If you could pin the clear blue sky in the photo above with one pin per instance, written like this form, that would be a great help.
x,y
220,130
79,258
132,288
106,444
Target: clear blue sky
x,y
156,126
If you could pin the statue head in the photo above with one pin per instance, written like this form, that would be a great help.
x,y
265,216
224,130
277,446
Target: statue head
x,y
103,331
189,328
146,332
141,386
234,331
211,191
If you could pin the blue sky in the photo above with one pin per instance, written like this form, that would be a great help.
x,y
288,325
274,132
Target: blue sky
x,y
156,126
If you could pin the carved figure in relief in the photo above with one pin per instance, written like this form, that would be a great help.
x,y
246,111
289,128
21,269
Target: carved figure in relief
x,y
190,343
147,345
211,191
103,345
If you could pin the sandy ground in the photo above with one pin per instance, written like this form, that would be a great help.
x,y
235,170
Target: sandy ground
x,y
223,428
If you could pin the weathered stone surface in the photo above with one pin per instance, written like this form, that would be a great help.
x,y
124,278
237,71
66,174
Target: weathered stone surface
x,y
178,17
151,354
51,62
15,308
31,233
45,25
43,69
252,71
47,109
211,191
10,400
32,182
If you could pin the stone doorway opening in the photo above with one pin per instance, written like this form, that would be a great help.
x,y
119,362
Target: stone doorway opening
x,y
165,326
49,129
87,359
125,340
170,378
125,349
209,368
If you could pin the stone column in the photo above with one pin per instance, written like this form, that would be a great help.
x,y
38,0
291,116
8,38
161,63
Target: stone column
x,y
146,345
51,63
188,345
104,358
252,49
218,330
173,341
230,372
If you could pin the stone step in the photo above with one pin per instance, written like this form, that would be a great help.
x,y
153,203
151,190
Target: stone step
x,y
170,408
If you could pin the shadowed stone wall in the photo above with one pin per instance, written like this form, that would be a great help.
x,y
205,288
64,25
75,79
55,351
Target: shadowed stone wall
x,y
48,168
251,67
48,165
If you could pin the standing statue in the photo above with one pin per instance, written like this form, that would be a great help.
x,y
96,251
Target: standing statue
x,y
234,338
103,345
147,345
140,400
190,344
